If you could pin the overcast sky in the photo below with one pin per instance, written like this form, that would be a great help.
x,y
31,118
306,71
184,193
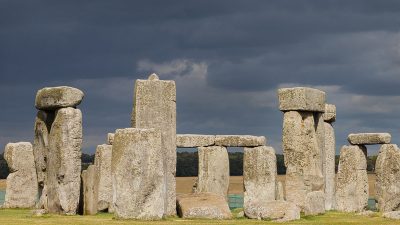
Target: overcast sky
x,y
228,59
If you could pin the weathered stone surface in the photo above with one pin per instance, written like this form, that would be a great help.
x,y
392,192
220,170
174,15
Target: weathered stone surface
x,y
259,175
329,165
213,170
110,138
330,113
279,194
203,206
194,140
155,107
240,140
395,215
42,127
102,161
369,138
303,143
387,169
274,210
138,174
315,203
351,194
22,186
301,99
64,162
51,98
90,192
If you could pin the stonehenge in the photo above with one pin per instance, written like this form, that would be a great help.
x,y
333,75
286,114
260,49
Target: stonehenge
x,y
329,155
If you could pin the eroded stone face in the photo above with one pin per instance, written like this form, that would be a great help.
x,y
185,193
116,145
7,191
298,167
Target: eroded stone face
x,y
22,186
387,169
213,170
315,203
329,165
330,113
52,98
203,206
155,107
259,175
138,174
240,140
303,143
110,138
351,194
279,194
280,211
102,161
64,162
301,99
369,138
90,191
194,140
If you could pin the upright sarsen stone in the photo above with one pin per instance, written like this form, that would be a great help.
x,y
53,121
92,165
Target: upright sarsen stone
x,y
102,161
259,175
352,180
138,174
155,107
329,155
22,186
213,170
387,169
64,162
90,191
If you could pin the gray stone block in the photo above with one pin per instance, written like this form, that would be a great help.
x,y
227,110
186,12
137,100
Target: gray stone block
x,y
52,98
369,138
194,140
301,99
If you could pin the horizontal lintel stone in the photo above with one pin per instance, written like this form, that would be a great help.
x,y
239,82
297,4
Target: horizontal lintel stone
x,y
240,140
369,138
194,140
301,99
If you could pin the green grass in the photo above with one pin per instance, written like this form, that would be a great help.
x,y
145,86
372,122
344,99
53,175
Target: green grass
x,y
21,216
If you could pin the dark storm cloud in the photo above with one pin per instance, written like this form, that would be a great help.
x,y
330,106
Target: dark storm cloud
x,y
227,57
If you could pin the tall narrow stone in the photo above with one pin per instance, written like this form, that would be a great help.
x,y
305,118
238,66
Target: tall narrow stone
x,y
259,175
137,174
387,170
213,170
155,107
22,186
64,161
329,155
352,180
102,161
302,139
90,191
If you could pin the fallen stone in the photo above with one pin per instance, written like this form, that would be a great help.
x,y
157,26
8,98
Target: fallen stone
x,y
155,107
366,213
102,161
203,206
330,113
239,140
387,169
279,195
281,211
395,215
329,165
301,99
90,192
194,140
259,175
303,142
138,174
64,162
213,173
21,184
369,138
351,194
315,203
51,98
38,212
110,138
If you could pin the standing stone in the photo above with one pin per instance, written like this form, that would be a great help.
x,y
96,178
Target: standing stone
x,y
110,138
52,98
155,107
213,170
315,203
90,192
138,175
22,186
64,162
352,180
102,161
42,127
387,170
279,195
259,175
329,155
302,146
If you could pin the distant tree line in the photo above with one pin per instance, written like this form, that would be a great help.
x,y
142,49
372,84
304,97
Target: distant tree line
x,y
187,164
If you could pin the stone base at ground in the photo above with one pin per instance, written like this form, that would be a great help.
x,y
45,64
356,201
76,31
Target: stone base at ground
x,y
90,192
274,210
315,203
203,206
395,215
